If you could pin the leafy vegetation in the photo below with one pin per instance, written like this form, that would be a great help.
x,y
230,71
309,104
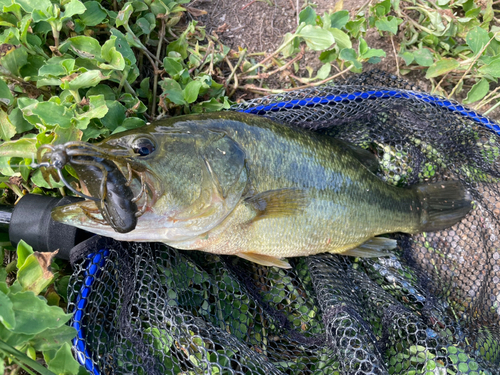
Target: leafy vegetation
x,y
81,70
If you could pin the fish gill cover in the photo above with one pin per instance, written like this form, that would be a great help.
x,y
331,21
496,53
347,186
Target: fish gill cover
x,y
431,308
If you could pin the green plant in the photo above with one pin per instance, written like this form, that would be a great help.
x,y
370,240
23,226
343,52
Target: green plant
x,y
31,320
82,70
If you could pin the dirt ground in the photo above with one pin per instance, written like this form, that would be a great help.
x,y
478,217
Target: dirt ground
x,y
260,25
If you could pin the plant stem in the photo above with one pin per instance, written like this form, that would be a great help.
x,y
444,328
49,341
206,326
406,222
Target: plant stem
x,y
275,53
261,90
492,108
488,98
472,64
76,95
281,68
16,356
161,34
395,55
233,71
11,267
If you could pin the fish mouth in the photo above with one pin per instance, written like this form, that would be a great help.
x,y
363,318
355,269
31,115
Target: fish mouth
x,y
117,190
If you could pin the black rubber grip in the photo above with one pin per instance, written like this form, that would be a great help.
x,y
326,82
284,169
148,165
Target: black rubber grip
x,y
31,222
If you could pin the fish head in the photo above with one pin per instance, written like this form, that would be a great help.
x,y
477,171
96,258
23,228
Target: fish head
x,y
177,179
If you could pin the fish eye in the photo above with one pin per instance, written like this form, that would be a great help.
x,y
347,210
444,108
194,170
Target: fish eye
x,y
143,146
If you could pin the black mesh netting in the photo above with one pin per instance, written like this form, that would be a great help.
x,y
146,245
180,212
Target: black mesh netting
x,y
431,308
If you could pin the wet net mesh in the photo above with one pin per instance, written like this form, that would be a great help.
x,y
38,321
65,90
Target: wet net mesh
x,y
430,308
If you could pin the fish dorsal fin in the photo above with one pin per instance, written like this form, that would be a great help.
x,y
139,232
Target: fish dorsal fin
x,y
265,260
278,203
373,248
365,157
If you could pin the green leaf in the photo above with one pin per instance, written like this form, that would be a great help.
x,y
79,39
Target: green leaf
x,y
172,91
94,14
328,56
7,129
423,57
34,275
362,46
72,8
17,119
324,71
477,38
33,315
22,148
30,5
145,25
97,109
172,66
123,47
84,46
180,45
124,15
62,135
101,89
478,91
64,362
373,53
144,91
339,19
88,79
341,38
441,67
191,91
61,287
316,38
115,115
55,69
492,69
38,179
23,252
128,124
52,114
15,60
11,338
212,105
7,317
5,94
355,27
407,57
112,56
13,352
292,45
348,54
52,338
389,24
308,16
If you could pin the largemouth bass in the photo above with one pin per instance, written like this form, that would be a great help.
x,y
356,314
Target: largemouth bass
x,y
233,183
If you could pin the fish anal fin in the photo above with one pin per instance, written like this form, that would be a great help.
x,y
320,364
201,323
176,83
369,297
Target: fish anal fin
x,y
278,203
373,248
265,260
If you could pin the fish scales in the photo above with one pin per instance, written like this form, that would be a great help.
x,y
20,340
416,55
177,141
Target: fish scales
x,y
345,203
233,183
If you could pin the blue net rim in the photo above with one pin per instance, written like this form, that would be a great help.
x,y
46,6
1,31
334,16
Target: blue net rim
x,y
95,261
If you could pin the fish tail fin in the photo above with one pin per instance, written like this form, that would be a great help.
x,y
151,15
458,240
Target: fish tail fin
x,y
442,204
373,248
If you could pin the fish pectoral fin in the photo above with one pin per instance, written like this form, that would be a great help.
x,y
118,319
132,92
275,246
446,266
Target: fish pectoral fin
x,y
365,157
373,248
277,203
265,260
